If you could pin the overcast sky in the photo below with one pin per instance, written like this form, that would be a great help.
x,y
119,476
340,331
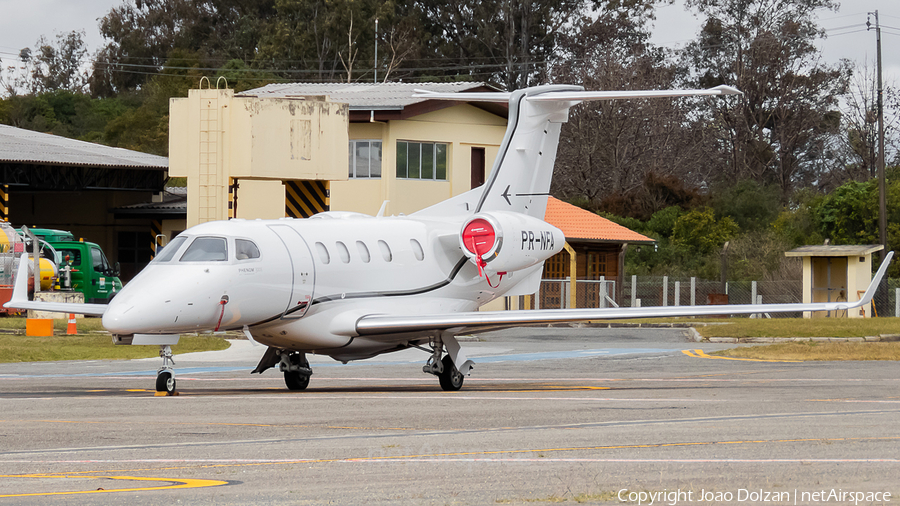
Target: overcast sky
x,y
22,23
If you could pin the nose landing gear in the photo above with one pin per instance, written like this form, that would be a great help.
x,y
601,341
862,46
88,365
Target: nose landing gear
x,y
165,375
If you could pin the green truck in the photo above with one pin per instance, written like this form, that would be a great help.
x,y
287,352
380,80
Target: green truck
x,y
89,270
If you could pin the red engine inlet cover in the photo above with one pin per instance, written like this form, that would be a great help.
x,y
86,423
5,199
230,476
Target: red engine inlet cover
x,y
479,236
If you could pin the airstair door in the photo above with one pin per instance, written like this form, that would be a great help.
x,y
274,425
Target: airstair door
x,y
302,271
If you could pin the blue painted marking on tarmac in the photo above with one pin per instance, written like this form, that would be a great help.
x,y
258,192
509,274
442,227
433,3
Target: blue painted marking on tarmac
x,y
557,355
488,359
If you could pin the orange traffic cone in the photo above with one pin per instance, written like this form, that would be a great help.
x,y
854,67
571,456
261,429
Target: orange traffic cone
x,y
72,328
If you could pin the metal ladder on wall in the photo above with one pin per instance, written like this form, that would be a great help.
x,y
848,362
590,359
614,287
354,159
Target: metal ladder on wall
x,y
210,186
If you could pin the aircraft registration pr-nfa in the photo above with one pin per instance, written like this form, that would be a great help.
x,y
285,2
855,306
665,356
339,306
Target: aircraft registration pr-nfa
x,y
353,286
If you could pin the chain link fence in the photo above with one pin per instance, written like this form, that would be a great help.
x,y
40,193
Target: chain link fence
x,y
671,291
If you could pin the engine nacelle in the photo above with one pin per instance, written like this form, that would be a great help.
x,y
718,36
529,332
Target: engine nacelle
x,y
503,242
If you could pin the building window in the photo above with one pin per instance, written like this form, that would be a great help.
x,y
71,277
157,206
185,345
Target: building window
x,y
134,252
365,159
422,160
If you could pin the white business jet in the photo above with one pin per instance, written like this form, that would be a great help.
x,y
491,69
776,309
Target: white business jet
x,y
352,286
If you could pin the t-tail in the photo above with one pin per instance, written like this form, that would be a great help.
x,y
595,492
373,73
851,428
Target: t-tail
x,y
520,179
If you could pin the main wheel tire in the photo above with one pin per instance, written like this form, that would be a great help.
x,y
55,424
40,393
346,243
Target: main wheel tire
x,y
165,382
451,379
295,380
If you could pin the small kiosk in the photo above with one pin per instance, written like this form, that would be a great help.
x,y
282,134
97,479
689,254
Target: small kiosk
x,y
835,274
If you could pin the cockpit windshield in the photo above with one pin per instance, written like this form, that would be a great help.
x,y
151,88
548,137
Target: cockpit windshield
x,y
206,249
168,252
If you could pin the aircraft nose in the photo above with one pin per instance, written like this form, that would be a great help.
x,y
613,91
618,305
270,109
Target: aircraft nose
x,y
122,317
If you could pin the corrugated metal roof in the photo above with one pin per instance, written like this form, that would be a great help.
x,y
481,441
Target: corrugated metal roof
x,y
359,95
174,201
18,145
839,250
577,223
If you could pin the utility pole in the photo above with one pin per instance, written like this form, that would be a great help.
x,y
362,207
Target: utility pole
x,y
376,51
882,200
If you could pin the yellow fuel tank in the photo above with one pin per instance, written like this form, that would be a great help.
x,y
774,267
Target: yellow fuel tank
x,y
8,238
49,273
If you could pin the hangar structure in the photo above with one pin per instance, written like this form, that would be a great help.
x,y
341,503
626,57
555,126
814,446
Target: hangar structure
x,y
55,182
295,149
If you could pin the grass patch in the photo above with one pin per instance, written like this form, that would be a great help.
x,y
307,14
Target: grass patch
x,y
812,350
84,324
802,327
18,348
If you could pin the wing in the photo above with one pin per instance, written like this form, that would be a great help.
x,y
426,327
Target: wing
x,y
568,95
19,299
479,321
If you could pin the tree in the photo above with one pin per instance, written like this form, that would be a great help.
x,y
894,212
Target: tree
x,y
613,153
776,133
143,33
855,147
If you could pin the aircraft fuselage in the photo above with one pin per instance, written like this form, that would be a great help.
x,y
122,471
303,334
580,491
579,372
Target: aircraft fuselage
x,y
305,283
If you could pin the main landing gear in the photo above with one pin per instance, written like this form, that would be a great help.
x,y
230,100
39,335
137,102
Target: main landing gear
x,y
165,375
296,370
448,375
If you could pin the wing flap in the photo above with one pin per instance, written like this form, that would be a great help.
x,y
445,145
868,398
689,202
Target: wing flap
x,y
486,320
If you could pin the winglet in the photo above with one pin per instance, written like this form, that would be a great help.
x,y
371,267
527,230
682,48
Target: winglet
x,y
876,280
20,289
19,298
724,89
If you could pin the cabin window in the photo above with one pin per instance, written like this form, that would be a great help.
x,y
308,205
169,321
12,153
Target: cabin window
x,y
245,250
422,160
169,250
323,253
363,251
417,249
206,249
343,252
385,251
365,159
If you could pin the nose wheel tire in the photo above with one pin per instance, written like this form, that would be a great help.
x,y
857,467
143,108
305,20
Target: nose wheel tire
x,y
295,381
165,382
450,378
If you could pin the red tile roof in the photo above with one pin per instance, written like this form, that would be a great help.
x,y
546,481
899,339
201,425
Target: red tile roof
x,y
577,223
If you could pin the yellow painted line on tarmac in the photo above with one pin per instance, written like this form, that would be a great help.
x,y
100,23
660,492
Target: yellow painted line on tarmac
x,y
181,483
698,353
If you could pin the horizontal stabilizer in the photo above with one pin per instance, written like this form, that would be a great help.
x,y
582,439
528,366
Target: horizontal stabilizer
x,y
19,299
487,320
577,96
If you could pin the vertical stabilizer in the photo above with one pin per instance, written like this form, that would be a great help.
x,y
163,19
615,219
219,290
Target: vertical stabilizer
x,y
520,179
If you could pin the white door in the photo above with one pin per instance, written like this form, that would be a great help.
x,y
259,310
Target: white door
x,y
302,271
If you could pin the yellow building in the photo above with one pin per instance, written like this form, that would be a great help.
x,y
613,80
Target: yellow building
x,y
297,149
839,273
